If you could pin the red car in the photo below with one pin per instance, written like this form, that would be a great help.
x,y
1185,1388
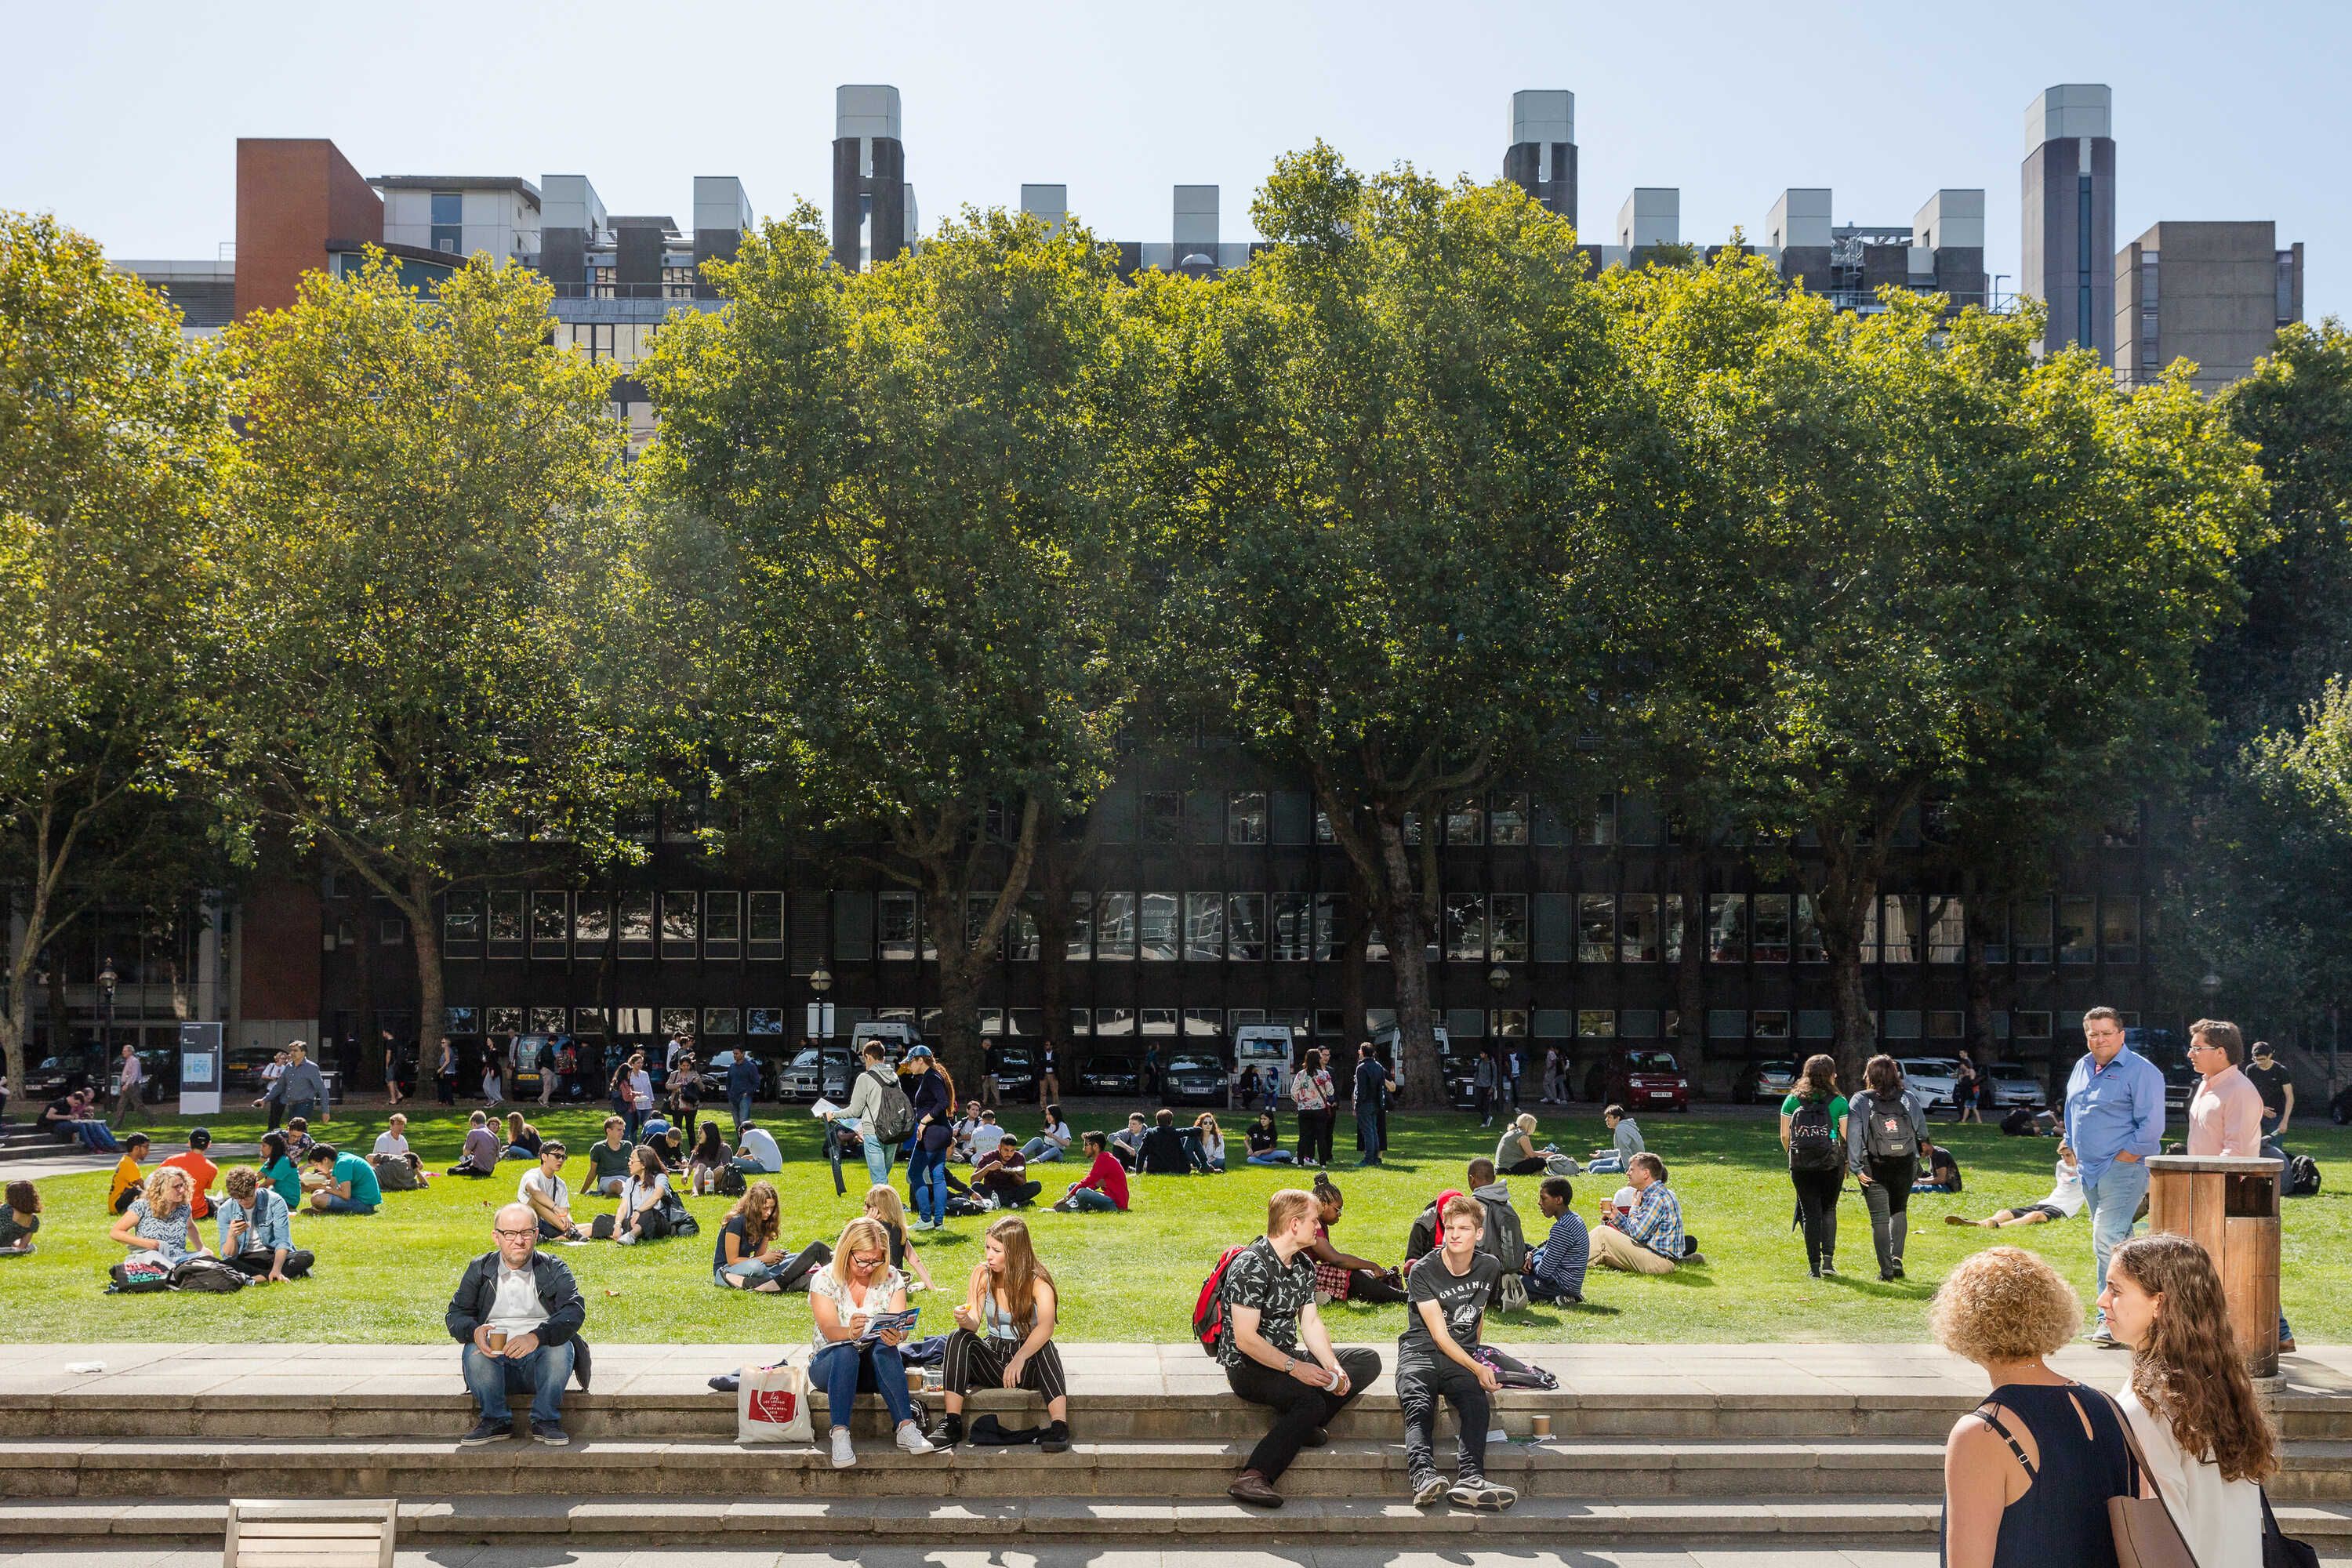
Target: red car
x,y
1645,1081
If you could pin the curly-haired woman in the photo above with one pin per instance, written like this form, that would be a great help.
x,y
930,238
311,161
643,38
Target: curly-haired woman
x,y
2208,1442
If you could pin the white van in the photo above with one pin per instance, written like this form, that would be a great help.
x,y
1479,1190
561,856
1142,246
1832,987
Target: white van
x,y
1266,1046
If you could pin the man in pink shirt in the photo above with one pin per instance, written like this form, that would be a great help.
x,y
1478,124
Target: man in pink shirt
x,y
2225,1115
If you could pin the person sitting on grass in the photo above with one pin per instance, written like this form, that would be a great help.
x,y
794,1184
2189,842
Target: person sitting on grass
x,y
202,1172
298,1141
256,1230
747,1256
851,1354
608,1160
758,1146
544,1192
1210,1141
1002,1175
279,1170
519,1313
1437,1357
1515,1153
1264,1139
1103,1189
1127,1144
523,1138
351,1186
1504,1236
1649,1240
883,1207
19,1220
711,1155
159,1221
1003,1335
1053,1142
479,1157
2064,1202
1942,1175
1274,1350
985,1135
1624,1142
641,1216
1555,1269
1166,1151
127,1179
391,1148
1341,1276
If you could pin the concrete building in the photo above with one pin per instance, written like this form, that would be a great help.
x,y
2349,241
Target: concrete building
x,y
2068,185
2216,293
1541,158
874,215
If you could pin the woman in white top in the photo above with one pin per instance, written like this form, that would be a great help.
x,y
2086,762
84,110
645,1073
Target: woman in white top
x,y
844,1297
640,1216
1212,1139
1311,1091
2208,1442
2064,1202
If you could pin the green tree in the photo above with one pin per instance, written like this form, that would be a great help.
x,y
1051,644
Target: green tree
x,y
114,447
1387,450
1931,566
422,568
910,477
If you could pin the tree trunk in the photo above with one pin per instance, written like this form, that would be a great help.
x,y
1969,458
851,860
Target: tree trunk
x,y
1354,960
1849,886
1980,974
946,872
1690,970
1053,944
1402,922
424,934
60,1021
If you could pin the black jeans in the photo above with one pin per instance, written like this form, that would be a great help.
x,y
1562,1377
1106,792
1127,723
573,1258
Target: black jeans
x,y
1314,1136
1887,1195
255,1264
1298,1409
1419,1386
1532,1165
1817,1201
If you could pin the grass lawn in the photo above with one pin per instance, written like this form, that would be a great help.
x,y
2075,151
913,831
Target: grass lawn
x,y
386,1278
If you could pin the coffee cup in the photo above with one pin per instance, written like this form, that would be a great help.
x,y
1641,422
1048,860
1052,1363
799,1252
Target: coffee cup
x,y
496,1340
1543,1426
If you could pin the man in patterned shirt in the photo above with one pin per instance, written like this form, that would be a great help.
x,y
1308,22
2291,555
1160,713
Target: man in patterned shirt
x,y
1269,1295
1650,1239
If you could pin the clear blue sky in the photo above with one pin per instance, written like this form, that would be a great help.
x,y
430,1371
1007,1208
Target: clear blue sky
x,y
121,118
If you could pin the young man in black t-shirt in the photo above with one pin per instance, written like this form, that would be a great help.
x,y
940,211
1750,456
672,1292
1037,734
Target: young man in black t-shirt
x,y
2271,1081
1445,1307
1269,1295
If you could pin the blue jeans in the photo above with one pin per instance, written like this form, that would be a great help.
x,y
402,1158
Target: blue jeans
x,y
1038,1151
927,1184
2113,1200
1371,1132
842,1369
741,1107
542,1374
1275,1157
337,1204
1608,1165
96,1137
1087,1200
751,1271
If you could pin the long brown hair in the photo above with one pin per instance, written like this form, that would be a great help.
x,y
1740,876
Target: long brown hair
x,y
1022,1270
761,1214
2187,1371
1883,1074
1820,1081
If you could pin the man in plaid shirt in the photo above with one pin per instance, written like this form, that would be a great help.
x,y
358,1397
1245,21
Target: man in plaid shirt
x,y
1650,1239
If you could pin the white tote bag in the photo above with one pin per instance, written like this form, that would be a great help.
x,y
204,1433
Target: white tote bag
x,y
772,1405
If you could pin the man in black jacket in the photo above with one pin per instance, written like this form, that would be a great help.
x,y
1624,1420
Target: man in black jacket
x,y
519,1312
1166,1152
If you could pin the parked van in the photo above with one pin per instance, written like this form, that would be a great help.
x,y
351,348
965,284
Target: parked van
x,y
1268,1048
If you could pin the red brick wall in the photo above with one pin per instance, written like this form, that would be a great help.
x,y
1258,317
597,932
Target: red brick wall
x,y
280,950
293,194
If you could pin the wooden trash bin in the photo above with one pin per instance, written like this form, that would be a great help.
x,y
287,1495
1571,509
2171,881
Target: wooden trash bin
x,y
2230,1207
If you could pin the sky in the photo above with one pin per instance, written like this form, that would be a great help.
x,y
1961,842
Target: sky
x,y
123,118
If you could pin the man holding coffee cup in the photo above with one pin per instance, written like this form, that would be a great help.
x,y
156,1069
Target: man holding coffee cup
x,y
519,1313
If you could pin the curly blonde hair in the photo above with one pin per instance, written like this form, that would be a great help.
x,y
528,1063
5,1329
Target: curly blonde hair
x,y
2187,1372
2004,1304
167,1190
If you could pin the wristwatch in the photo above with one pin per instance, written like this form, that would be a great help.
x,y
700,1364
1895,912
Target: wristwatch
x,y
1290,1366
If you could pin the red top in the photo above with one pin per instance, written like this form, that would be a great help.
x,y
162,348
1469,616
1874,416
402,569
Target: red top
x,y
201,1173
1107,1176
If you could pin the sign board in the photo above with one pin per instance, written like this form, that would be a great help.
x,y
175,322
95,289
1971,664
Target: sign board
x,y
201,1070
820,1020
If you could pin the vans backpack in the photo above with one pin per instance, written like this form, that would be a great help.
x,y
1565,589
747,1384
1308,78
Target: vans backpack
x,y
1886,1132
1812,1138
894,1116
1209,1311
2302,1177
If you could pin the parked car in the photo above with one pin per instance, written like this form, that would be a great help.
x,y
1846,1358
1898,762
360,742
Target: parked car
x,y
1765,1083
1017,1072
1197,1077
1647,1079
1390,1048
2164,1047
1462,1081
529,1058
2015,1084
814,1072
1113,1073
1935,1078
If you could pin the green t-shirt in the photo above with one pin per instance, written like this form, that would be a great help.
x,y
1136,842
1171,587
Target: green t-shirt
x,y
604,1160
286,1177
1837,1106
362,1176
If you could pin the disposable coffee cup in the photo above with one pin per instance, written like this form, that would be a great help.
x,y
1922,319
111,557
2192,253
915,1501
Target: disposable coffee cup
x,y
1543,1426
497,1339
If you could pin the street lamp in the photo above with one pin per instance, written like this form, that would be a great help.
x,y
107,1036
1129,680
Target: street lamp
x,y
820,979
106,983
2210,985
1499,978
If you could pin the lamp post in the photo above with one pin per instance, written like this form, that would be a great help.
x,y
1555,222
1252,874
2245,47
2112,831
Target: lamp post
x,y
106,983
820,981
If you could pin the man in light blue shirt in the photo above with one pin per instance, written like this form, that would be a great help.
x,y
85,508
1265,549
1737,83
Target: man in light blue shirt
x,y
2115,1121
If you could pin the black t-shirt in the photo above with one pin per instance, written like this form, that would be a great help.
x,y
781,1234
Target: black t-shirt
x,y
59,1129
1462,1300
740,1229
2271,1083
1258,1278
1260,1138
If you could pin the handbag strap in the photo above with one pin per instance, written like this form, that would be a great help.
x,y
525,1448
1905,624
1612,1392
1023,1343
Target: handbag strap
x,y
2141,1474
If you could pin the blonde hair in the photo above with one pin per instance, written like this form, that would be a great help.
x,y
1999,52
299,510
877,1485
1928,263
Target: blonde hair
x,y
863,1234
2188,1371
1525,1121
2004,1304
882,1203
168,1183
1285,1207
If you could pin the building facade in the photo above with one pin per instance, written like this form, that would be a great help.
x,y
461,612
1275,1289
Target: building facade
x,y
2214,293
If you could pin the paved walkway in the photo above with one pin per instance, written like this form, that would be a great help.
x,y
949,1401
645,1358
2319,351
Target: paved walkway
x,y
77,1160
1064,1557
1832,1371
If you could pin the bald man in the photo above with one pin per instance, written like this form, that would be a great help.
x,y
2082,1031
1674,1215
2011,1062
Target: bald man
x,y
518,1312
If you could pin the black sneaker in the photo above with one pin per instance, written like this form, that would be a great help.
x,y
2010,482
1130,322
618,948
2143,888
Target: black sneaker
x,y
727,1382
950,1431
485,1431
1317,1437
550,1434
1056,1439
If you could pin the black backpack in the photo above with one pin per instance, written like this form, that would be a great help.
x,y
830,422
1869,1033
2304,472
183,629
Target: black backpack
x,y
205,1274
894,1116
1812,1138
1886,1132
2302,1177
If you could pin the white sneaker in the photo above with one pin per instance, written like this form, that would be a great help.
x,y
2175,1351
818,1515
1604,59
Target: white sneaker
x,y
626,1238
912,1441
844,1455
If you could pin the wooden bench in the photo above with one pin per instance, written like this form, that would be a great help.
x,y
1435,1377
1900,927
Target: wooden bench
x,y
325,1533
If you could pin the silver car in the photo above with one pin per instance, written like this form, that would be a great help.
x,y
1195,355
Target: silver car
x,y
1936,1079
2015,1084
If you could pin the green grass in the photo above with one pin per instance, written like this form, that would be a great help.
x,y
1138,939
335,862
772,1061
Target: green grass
x,y
387,1278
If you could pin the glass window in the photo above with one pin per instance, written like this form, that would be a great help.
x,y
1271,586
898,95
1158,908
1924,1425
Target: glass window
x,y
1900,1024
1727,927
1114,927
677,1021
1771,928
2075,929
1160,927
1157,1020
1021,943
1767,1024
894,926
722,923
1509,1023
1412,828
1331,927
592,924
721,1020
1245,927
1082,1021
1670,927
1115,1021
1596,1023
1946,1026
461,924
2030,1025
632,922
1898,931
1078,938
1113,816
1246,817
506,925
1995,936
1463,820
461,1020
1506,928
1204,927
992,1020
1727,1024
681,924
2031,931
1163,816
1329,1021
2119,930
1638,1024
1204,1023
1465,926
1639,821
1294,926
1464,1023
1869,945
764,1021
1601,828
448,227
977,908
1947,929
1809,947
1554,1022
1815,1023
448,207
1596,928
504,1020
1638,937
1508,823
765,923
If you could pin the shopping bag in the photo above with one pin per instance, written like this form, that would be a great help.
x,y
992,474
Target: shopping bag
x,y
772,1405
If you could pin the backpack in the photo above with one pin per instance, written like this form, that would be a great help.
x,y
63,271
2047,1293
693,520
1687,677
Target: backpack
x,y
2302,1177
1209,1311
729,1181
396,1175
1510,1293
894,1117
137,1278
1812,1138
1886,1132
2020,1122
673,1209
206,1274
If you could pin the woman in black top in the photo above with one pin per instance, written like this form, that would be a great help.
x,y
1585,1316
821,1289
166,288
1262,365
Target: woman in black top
x,y
1264,1140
